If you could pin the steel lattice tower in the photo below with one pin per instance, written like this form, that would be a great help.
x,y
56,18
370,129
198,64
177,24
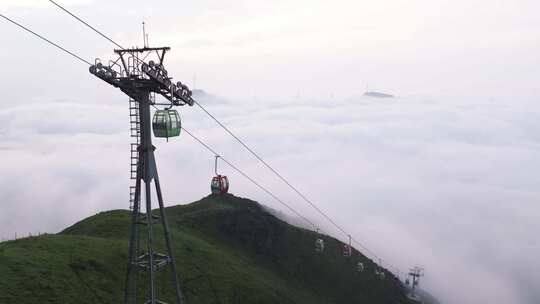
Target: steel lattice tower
x,y
140,81
416,273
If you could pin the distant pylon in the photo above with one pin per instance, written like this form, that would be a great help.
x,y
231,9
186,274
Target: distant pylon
x,y
416,273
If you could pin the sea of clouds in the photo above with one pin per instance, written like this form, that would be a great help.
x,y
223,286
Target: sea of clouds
x,y
448,183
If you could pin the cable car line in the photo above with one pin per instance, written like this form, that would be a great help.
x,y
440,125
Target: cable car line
x,y
205,145
45,39
318,245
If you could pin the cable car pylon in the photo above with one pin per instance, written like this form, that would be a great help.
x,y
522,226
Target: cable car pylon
x,y
140,81
415,273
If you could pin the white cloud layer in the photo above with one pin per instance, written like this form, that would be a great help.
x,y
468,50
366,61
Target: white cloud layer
x,y
449,183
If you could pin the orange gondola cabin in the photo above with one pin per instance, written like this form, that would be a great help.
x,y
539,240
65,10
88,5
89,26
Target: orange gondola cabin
x,y
220,183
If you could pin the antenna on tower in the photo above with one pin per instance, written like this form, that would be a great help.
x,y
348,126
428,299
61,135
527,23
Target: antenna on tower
x,y
145,36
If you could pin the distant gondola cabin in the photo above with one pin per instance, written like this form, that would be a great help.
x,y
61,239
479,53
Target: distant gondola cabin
x,y
319,245
166,123
347,250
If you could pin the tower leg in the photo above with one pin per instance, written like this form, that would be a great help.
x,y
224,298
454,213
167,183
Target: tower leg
x,y
150,245
130,291
179,295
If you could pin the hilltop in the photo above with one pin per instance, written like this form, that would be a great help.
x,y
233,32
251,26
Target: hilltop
x,y
378,94
228,249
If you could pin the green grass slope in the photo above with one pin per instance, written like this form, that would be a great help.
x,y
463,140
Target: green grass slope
x,y
228,250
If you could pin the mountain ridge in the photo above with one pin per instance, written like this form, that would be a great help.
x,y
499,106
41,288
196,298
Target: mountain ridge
x,y
229,250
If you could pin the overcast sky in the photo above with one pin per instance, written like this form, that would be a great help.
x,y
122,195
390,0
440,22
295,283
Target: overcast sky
x,y
444,176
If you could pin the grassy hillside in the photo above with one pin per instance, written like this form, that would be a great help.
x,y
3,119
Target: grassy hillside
x,y
228,249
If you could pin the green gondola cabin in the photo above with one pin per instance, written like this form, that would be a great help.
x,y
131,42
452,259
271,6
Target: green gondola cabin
x,y
166,123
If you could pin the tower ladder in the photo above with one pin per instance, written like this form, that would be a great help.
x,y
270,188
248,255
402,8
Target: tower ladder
x,y
135,134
